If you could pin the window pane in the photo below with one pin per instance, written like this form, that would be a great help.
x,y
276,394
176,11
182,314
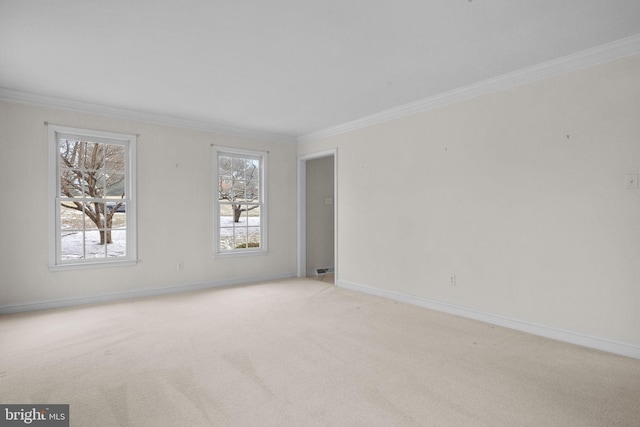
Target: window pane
x,y
69,153
118,219
226,239
254,237
71,184
93,247
241,214
224,191
96,180
252,170
224,166
114,183
226,214
237,190
240,238
93,155
71,245
116,208
237,167
118,245
114,158
93,184
254,215
253,191
226,243
70,218
94,215
226,227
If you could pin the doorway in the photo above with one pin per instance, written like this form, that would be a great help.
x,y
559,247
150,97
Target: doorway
x,y
317,213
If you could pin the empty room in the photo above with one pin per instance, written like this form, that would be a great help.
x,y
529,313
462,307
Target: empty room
x,y
333,213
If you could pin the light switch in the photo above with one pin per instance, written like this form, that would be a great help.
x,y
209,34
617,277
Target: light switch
x,y
631,180
328,200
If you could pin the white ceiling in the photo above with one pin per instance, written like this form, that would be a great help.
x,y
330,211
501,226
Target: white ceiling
x,y
286,67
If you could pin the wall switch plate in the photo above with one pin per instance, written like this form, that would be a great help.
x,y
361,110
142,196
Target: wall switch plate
x,y
328,200
631,181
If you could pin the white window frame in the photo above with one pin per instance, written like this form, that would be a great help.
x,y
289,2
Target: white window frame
x,y
56,263
263,158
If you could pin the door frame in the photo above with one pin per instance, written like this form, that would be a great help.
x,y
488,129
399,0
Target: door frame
x,y
302,209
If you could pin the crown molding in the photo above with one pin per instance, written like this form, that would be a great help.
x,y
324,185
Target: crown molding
x,y
122,113
583,59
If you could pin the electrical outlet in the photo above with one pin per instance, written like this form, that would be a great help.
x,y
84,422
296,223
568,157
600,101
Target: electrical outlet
x,y
452,280
180,265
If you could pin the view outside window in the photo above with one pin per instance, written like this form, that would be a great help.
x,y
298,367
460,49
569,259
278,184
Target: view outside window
x,y
240,202
93,222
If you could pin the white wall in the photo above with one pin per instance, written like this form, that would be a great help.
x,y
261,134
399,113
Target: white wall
x,y
320,218
174,186
520,194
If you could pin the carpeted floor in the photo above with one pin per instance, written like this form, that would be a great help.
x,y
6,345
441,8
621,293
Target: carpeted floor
x,y
301,352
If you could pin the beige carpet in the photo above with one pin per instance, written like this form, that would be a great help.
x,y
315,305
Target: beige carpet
x,y
303,353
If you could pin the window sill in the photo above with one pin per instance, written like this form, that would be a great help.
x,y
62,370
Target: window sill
x,y
91,265
234,254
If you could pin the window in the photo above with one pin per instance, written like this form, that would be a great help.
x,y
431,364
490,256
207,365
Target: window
x,y
239,205
92,198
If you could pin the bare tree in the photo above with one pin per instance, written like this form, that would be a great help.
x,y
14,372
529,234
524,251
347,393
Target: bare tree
x,y
91,172
238,183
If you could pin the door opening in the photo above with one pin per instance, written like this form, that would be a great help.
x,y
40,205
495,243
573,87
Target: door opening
x,y
317,214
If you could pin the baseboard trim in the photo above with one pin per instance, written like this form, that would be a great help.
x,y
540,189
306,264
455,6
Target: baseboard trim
x,y
118,296
610,346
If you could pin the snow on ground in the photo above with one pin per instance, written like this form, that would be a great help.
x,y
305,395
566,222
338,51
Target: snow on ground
x,y
72,242
241,229
72,245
